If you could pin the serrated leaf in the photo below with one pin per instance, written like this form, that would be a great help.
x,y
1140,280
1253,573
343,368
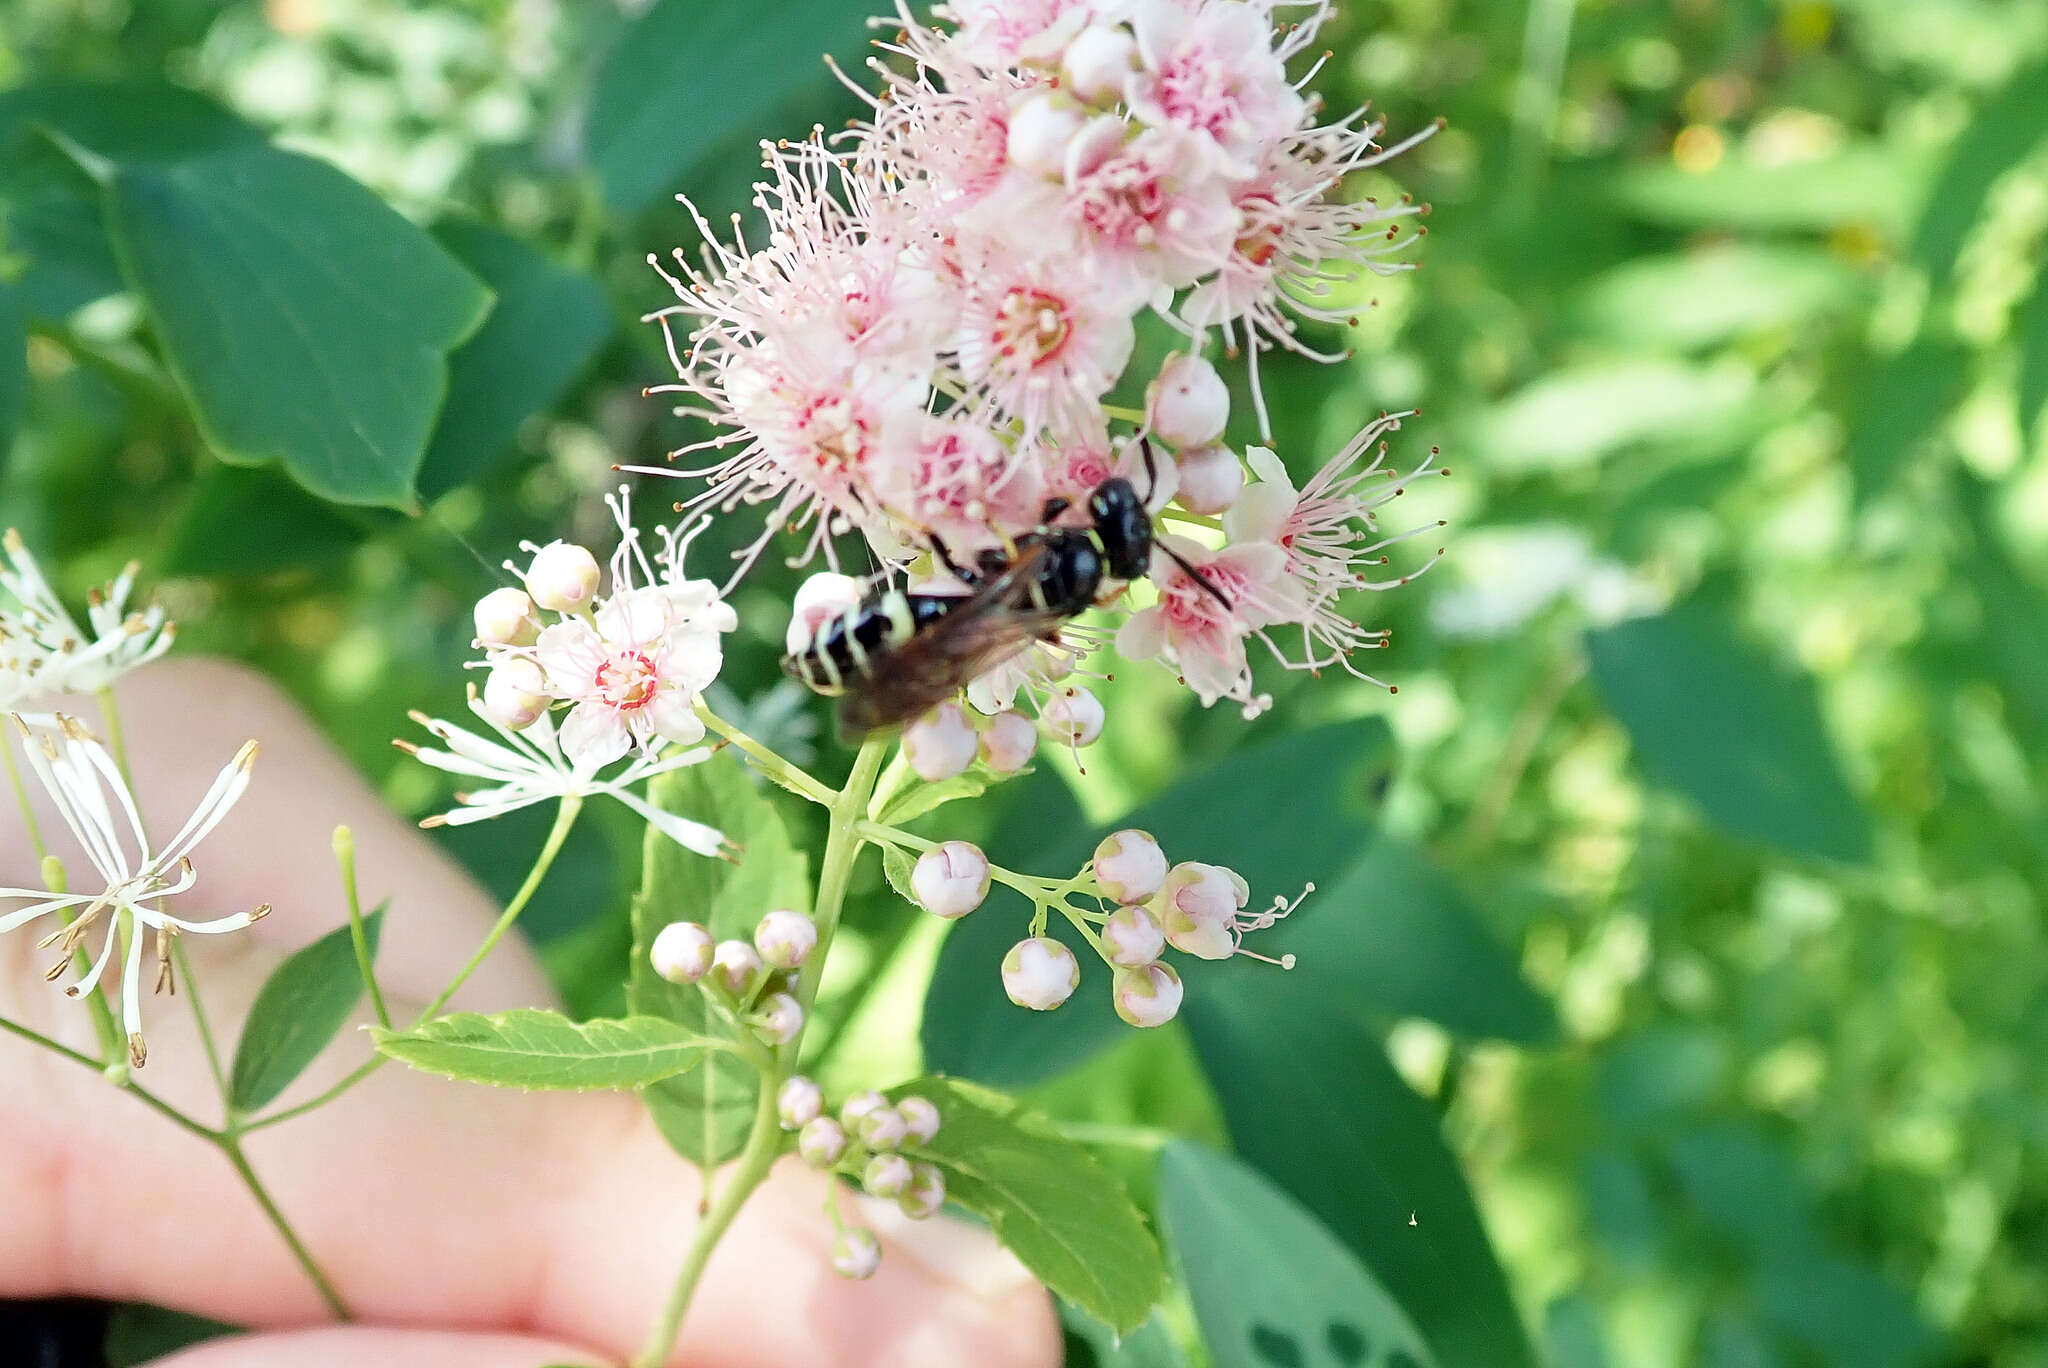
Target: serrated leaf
x,y
1269,1283
1311,1102
1048,1200
301,1008
546,324
705,1117
306,321
688,77
1291,810
530,1048
896,868
13,367
1739,735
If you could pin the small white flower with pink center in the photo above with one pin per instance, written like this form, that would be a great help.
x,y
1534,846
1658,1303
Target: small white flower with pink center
x,y
1210,68
1201,908
1145,207
956,480
1329,532
1042,339
1004,33
1199,625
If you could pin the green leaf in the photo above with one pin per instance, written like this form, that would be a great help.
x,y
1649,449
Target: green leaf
x,y
13,367
690,77
305,319
920,798
1573,417
1091,1344
1866,183
705,1116
254,521
896,868
2030,330
1846,1313
301,1008
1396,936
139,1333
1270,1284
1047,1199
529,1048
2009,126
1739,735
1311,1102
547,323
1288,811
1704,297
1896,407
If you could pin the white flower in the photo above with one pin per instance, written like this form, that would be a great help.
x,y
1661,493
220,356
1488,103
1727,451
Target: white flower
x,y
1211,69
528,767
1199,625
95,802
43,649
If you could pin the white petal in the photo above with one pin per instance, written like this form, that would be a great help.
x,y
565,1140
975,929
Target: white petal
x,y
690,835
594,735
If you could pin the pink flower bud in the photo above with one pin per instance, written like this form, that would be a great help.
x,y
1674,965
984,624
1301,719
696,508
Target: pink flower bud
x,y
780,1019
1073,717
822,1142
1040,129
920,1119
800,1102
1211,478
1129,865
1008,742
1098,62
886,1175
1040,973
860,1105
819,600
563,577
951,880
1132,937
1148,996
940,744
856,1253
681,952
926,1193
882,1128
1189,402
1198,906
516,693
785,938
504,617
736,967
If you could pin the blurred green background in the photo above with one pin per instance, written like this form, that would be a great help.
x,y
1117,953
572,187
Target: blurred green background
x,y
1703,900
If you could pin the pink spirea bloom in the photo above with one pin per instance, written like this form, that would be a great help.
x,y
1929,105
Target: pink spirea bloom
x,y
1203,635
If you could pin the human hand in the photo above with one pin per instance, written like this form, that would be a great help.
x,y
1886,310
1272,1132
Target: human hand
x,y
466,1227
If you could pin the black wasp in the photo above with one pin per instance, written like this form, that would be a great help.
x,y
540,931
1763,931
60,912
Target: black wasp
x,y
896,655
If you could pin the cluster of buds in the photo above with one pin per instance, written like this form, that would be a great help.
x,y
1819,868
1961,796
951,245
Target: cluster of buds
x,y
755,981
865,1142
947,292
44,651
627,664
1147,906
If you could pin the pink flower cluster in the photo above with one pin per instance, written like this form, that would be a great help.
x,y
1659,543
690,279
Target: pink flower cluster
x,y
925,342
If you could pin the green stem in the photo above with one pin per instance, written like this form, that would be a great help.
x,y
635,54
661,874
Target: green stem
x,y
199,1019
1129,1137
345,856
769,763
116,743
565,817
135,1090
28,813
763,1144
842,847
231,1145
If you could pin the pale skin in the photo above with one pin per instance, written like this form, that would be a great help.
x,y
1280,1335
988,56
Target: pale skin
x,y
466,1227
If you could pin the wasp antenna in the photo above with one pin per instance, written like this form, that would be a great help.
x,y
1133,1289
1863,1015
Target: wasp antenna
x,y
1198,577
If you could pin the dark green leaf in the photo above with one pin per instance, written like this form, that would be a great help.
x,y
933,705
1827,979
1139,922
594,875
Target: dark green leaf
x,y
139,1333
1270,1285
301,1008
529,1048
706,1115
1047,1199
1897,406
1740,736
547,323
305,319
254,521
690,76
1397,936
1283,813
13,367
1845,1313
1312,1103
2006,129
